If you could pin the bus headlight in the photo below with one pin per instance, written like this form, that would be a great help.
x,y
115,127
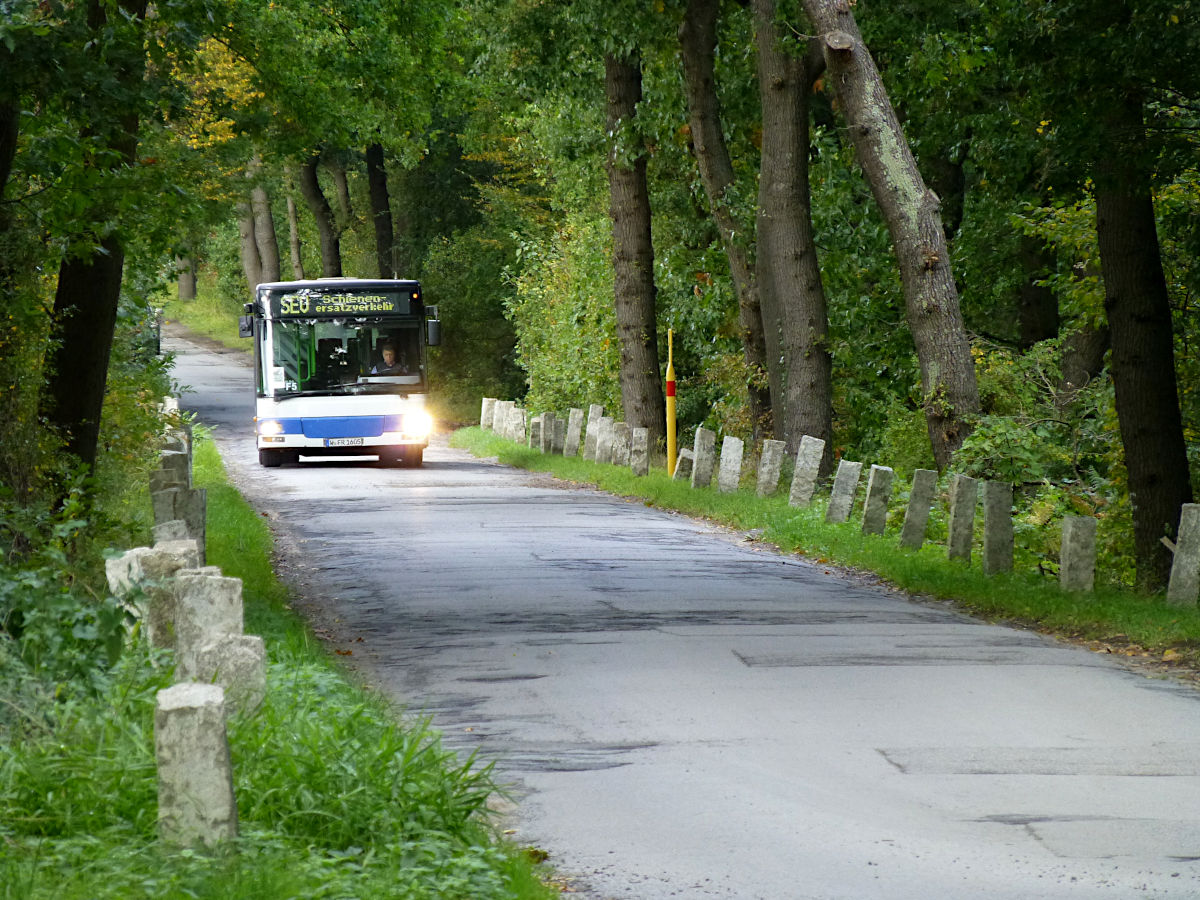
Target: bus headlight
x,y
418,424
269,427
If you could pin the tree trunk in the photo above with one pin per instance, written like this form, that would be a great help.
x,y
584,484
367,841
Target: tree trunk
x,y
1082,360
381,212
314,197
1143,355
341,189
789,278
251,261
185,269
294,239
910,209
697,42
264,223
10,124
85,316
633,252
1037,306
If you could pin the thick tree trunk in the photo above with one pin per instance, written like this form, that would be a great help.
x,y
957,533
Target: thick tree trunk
x,y
185,278
1037,306
910,209
85,316
789,278
633,252
698,42
1143,356
381,211
264,223
251,261
341,189
10,122
314,197
294,240
1082,360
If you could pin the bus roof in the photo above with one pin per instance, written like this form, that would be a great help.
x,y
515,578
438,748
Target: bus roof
x,y
318,284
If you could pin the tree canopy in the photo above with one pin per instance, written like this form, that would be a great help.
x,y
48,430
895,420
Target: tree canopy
x,y
1046,153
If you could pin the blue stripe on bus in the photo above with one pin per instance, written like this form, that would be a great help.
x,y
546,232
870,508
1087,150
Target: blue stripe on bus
x,y
349,426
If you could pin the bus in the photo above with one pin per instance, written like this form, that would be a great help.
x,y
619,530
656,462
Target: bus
x,y
340,369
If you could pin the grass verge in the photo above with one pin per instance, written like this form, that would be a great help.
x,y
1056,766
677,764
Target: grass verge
x,y
336,799
1110,620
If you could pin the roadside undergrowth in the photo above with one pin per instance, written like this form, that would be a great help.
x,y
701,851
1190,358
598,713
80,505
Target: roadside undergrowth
x,y
1140,628
338,795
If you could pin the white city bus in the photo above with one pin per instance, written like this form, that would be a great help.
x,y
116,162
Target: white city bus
x,y
340,369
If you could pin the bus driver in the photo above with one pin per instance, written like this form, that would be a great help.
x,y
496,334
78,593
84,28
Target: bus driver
x,y
389,365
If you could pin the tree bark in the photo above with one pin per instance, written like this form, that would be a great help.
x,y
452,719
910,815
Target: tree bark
x,y
1143,355
264,223
85,316
1037,306
294,239
251,261
789,277
185,269
341,189
381,212
1082,360
314,198
910,209
633,251
10,122
697,43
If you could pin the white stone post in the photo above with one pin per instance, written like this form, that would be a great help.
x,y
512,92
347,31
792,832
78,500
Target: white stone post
x,y
206,607
1077,556
769,465
808,465
486,411
595,414
574,432
964,497
639,452
195,775
916,516
238,664
622,438
729,474
604,440
1184,586
879,492
684,465
845,486
997,527
704,449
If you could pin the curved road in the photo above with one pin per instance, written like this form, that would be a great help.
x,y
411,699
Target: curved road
x,y
682,714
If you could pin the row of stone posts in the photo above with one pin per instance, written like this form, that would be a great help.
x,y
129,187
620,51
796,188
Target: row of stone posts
x,y
606,440
185,606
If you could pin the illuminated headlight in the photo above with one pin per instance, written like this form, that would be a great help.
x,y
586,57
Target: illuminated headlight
x,y
269,427
418,425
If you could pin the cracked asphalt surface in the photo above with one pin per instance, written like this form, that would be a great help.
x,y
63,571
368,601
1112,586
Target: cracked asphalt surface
x,y
680,713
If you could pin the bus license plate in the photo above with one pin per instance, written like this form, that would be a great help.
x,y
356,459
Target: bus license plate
x,y
343,442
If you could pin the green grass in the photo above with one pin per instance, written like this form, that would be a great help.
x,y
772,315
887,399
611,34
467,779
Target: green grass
x,y
1132,622
211,314
338,796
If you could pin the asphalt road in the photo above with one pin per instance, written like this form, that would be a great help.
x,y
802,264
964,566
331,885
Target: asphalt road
x,y
683,714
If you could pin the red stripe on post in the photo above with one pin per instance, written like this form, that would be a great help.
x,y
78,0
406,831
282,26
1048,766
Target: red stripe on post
x,y
670,389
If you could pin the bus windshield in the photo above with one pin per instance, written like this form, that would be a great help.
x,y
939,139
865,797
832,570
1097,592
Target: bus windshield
x,y
343,356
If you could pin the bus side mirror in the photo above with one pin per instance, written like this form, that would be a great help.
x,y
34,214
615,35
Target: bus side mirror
x,y
245,326
433,332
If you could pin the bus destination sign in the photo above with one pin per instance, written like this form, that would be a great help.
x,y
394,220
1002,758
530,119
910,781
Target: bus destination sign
x,y
316,303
